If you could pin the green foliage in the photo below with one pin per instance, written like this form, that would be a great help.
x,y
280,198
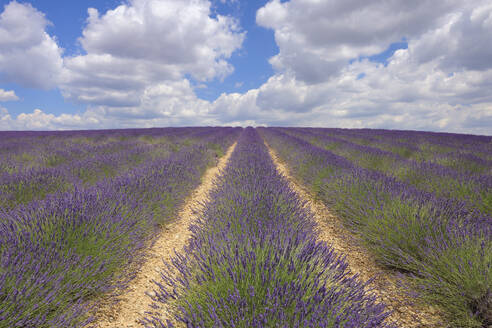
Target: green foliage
x,y
455,280
448,265
216,148
54,160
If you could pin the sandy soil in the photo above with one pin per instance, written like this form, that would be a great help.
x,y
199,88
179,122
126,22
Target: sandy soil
x,y
133,302
331,230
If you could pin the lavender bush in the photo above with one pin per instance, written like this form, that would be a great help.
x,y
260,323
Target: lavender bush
x,y
443,181
444,244
253,260
62,250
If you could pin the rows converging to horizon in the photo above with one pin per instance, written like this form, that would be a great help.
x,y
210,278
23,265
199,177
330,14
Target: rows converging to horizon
x,y
80,211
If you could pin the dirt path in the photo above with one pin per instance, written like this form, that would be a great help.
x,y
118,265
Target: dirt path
x,y
331,230
134,302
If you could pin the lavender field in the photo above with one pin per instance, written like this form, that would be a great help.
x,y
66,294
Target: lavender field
x,y
79,210
420,202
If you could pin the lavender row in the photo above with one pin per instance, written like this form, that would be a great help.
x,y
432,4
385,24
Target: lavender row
x,y
82,163
34,184
372,146
468,153
447,141
52,150
444,247
253,260
59,254
21,150
432,177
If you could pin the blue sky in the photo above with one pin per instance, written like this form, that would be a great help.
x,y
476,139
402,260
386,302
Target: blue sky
x,y
251,67
294,62
68,19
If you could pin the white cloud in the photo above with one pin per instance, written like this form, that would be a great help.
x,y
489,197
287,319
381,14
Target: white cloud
x,y
28,55
8,95
441,82
140,56
39,120
145,43
318,38
400,95
5,119
464,42
236,107
180,34
137,62
170,103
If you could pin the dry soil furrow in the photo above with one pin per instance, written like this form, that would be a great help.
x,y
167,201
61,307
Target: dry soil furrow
x,y
331,230
133,302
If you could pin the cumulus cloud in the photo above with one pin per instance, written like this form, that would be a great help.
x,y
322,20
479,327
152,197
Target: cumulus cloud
x,y
180,34
399,95
463,42
323,76
8,95
318,38
136,67
170,103
28,55
39,120
140,59
441,82
144,43
5,119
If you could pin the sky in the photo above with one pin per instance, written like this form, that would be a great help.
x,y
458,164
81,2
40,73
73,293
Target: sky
x,y
392,64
